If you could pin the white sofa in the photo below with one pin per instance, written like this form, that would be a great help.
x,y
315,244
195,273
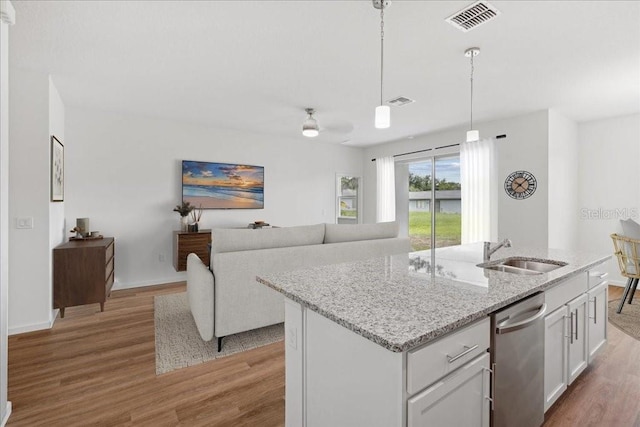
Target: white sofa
x,y
227,299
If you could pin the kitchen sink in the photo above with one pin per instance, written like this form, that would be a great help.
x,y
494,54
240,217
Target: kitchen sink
x,y
542,266
523,266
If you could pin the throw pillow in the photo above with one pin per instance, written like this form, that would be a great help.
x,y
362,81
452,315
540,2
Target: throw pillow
x,y
630,229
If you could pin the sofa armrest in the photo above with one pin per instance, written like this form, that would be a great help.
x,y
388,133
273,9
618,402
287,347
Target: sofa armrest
x,y
200,293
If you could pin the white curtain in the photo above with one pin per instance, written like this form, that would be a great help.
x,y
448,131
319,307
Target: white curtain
x,y
386,185
479,182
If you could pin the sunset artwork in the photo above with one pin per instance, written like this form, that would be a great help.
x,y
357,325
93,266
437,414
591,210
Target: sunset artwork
x,y
222,185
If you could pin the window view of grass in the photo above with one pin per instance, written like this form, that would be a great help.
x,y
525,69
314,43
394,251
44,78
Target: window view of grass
x,y
448,226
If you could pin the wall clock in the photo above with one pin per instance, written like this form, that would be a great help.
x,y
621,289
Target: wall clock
x,y
520,185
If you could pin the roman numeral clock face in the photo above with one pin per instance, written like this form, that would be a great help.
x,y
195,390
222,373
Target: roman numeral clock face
x,y
520,185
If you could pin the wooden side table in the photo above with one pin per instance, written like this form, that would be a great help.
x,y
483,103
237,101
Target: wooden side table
x,y
185,242
83,272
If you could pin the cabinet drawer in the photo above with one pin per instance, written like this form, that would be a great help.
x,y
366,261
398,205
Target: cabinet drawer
x,y
596,278
427,364
460,399
109,253
565,291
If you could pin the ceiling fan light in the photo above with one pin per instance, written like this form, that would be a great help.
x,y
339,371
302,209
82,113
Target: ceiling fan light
x,y
473,135
310,126
383,116
310,132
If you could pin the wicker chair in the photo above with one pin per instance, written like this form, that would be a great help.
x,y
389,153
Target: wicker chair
x,y
627,251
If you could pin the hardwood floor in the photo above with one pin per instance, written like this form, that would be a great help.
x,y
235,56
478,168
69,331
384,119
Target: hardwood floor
x,y
98,369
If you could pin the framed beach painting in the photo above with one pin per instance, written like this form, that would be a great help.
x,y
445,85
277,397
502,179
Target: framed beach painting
x,y
222,185
57,170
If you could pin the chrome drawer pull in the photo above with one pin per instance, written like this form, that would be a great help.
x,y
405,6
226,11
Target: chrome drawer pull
x,y
595,309
468,350
571,331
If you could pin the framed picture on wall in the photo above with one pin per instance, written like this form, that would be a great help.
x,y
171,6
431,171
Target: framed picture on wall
x,y
57,170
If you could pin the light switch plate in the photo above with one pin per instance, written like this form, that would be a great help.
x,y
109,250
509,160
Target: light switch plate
x,y
24,222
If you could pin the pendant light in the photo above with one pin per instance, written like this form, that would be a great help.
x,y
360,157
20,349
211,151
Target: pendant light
x,y
310,126
383,112
472,134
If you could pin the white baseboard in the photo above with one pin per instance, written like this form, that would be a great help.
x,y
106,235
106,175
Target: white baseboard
x,y
617,283
34,326
4,420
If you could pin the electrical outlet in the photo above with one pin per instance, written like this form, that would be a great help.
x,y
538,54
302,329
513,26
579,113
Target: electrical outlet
x,y
292,338
24,222
161,258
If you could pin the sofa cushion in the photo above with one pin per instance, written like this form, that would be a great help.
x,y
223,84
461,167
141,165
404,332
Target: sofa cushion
x,y
233,240
337,233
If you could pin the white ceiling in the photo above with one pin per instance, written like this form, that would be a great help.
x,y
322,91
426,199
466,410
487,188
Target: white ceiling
x,y
255,65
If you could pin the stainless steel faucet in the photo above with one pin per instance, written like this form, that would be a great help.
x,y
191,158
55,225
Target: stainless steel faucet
x,y
488,250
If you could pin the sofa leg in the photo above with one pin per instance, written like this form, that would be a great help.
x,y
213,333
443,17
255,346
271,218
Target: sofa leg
x,y
220,344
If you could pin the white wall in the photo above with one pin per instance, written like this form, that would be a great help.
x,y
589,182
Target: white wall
x,y
525,222
563,182
7,17
36,111
609,165
124,173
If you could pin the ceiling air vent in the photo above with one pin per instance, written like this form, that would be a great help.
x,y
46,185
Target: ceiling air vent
x,y
400,101
473,16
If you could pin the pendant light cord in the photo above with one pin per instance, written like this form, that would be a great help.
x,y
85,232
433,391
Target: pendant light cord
x,y
381,48
471,106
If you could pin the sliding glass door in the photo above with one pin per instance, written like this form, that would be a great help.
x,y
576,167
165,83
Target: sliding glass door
x,y
434,202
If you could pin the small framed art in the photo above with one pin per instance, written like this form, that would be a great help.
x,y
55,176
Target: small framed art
x,y
57,170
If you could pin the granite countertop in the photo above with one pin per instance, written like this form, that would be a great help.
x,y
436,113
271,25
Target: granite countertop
x,y
393,302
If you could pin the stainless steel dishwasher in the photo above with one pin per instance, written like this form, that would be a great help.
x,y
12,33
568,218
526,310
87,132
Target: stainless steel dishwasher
x,y
517,360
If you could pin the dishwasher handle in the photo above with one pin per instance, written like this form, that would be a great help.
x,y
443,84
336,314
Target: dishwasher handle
x,y
506,327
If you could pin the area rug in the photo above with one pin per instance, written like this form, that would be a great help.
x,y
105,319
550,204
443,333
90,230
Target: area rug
x,y
629,320
179,345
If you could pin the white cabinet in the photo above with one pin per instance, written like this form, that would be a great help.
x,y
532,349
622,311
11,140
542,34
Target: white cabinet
x,y
440,404
578,349
575,332
556,348
597,321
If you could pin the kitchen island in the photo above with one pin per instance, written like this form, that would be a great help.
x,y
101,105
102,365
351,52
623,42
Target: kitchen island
x,y
364,339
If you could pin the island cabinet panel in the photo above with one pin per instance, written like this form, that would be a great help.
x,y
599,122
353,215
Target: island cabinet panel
x,y
597,322
342,366
83,273
556,348
185,243
441,404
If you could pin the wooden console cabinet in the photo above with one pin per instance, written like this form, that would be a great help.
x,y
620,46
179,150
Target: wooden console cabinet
x,y
83,272
185,242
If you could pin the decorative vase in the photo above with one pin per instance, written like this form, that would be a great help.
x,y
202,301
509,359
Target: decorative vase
x,y
184,223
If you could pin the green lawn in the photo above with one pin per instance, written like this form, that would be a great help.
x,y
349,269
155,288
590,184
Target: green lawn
x,y
448,230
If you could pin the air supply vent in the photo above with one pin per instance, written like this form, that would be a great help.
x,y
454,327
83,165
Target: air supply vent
x,y
473,16
400,101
